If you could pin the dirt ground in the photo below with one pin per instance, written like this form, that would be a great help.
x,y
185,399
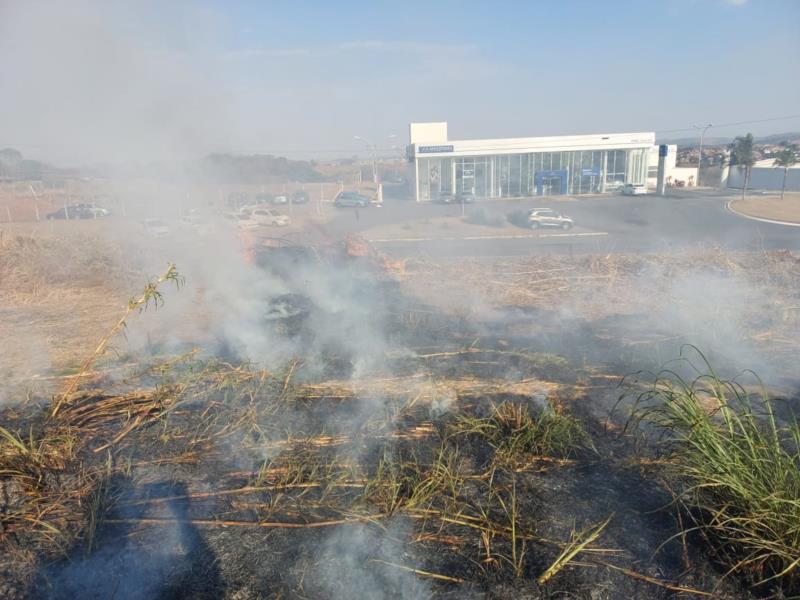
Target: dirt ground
x,y
771,207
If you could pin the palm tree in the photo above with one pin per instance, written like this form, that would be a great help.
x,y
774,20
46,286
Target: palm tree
x,y
785,158
742,156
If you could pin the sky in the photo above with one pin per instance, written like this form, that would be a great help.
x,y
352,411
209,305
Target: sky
x,y
104,81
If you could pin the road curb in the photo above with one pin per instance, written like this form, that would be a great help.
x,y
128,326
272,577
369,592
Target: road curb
x,y
730,209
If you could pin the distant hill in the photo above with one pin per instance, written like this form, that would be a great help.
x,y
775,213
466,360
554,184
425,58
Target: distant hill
x,y
691,142
255,168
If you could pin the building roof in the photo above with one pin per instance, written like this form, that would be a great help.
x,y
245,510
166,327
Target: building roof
x,y
431,139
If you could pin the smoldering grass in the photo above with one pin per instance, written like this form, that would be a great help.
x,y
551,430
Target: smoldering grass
x,y
515,432
735,470
578,542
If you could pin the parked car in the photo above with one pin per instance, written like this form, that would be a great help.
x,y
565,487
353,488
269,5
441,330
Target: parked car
x,y
241,221
547,217
350,199
267,216
237,199
445,198
197,224
280,199
78,211
300,197
465,198
155,228
634,189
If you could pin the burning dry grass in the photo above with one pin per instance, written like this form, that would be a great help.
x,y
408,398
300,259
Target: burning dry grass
x,y
458,453
597,283
36,266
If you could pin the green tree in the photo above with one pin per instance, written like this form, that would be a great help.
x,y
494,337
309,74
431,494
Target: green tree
x,y
743,156
785,158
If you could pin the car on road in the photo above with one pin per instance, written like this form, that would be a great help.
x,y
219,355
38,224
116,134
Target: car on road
x,y
280,199
547,217
465,198
634,189
351,199
155,228
300,197
267,216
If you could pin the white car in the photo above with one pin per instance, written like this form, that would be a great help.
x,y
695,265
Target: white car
x,y
155,228
268,216
197,224
280,199
634,189
241,221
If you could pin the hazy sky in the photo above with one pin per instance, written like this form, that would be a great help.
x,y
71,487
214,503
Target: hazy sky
x,y
94,81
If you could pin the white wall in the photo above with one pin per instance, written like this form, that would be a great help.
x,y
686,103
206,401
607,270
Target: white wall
x,y
427,133
765,178
669,163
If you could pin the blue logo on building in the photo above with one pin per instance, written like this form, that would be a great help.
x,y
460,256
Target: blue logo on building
x,y
433,149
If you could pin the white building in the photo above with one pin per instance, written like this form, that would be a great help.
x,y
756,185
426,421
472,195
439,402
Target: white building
x,y
672,173
520,167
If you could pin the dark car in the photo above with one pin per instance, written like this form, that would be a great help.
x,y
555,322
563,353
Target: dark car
x,y
300,197
465,198
351,199
445,198
77,211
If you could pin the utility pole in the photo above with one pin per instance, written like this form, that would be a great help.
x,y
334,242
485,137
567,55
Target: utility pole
x,y
704,128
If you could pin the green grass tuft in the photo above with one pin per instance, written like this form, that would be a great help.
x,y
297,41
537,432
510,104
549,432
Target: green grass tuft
x,y
736,468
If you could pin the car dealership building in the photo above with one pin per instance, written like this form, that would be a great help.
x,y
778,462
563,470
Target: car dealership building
x,y
520,167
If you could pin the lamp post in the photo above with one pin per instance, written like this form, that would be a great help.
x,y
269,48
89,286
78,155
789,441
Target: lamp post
x,y
371,148
704,128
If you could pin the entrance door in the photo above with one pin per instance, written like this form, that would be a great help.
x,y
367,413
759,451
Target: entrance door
x,y
550,183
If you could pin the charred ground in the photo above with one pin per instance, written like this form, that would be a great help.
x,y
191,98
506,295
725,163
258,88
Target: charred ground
x,y
427,430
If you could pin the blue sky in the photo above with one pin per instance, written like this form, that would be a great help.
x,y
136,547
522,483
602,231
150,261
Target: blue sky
x,y
294,78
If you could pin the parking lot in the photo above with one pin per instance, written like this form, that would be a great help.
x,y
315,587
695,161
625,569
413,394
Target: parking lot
x,y
605,224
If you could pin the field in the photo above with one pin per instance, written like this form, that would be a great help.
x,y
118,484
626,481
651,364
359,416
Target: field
x,y
323,421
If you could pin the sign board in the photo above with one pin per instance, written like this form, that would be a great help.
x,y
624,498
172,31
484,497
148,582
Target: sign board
x,y
433,149
589,172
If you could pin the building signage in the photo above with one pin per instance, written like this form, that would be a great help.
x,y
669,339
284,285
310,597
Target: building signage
x,y
589,172
433,149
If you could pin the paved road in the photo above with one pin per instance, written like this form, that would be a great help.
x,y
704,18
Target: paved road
x,y
623,224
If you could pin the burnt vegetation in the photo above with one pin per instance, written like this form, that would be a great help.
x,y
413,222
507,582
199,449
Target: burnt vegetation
x,y
460,465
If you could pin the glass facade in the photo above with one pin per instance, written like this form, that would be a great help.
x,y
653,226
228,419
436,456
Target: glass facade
x,y
530,174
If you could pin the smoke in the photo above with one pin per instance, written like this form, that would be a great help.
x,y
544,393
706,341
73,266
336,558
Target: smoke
x,y
93,81
366,561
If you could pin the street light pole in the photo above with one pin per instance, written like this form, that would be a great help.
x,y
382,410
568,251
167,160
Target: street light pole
x,y
371,148
700,154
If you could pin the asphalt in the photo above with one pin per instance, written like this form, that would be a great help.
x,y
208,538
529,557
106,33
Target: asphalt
x,y
604,224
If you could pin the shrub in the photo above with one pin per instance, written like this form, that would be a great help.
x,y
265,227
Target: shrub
x,y
481,216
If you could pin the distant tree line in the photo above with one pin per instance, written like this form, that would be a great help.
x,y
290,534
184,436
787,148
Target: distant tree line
x,y
257,168
16,166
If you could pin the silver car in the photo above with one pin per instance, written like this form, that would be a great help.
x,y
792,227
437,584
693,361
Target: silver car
x,y
547,217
